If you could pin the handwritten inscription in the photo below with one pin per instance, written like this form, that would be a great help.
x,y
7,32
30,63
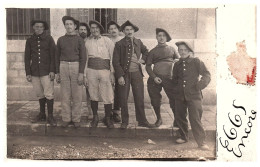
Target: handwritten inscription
x,y
237,127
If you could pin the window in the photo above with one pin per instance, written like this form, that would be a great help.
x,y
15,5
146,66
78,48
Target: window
x,y
101,15
18,21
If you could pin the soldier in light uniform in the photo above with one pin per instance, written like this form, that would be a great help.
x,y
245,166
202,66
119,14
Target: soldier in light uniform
x,y
99,73
114,30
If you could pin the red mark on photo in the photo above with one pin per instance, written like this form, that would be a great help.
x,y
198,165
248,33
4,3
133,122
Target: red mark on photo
x,y
242,66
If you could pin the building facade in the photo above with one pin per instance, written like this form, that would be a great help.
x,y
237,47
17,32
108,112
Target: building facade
x,y
196,25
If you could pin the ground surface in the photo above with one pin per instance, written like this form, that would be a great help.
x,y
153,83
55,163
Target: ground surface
x,y
91,148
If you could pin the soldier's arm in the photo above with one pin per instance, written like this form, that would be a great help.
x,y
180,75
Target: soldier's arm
x,y
144,51
57,57
148,67
116,62
27,57
82,56
52,48
205,76
111,47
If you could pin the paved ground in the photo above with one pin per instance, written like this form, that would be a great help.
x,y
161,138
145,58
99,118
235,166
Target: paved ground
x,y
20,112
93,148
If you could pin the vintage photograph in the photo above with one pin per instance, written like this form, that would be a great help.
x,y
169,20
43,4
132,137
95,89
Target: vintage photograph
x,y
111,83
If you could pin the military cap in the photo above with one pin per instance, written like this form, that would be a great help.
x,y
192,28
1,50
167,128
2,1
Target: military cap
x,y
113,23
166,33
128,23
64,18
98,24
186,44
87,27
46,26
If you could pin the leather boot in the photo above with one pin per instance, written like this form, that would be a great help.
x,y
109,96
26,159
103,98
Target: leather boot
x,y
94,122
108,122
41,116
50,120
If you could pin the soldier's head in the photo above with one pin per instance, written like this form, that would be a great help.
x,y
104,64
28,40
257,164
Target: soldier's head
x,y
185,50
113,28
129,29
84,30
70,24
39,26
162,36
96,28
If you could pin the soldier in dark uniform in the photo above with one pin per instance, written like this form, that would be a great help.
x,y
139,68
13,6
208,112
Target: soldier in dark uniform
x,y
162,57
127,62
188,95
39,59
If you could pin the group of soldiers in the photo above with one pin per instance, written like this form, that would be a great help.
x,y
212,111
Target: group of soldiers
x,y
107,66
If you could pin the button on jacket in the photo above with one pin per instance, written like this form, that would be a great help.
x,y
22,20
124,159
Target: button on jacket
x,y
187,84
39,57
123,53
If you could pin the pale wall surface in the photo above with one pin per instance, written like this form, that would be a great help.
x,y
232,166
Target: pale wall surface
x,y
199,30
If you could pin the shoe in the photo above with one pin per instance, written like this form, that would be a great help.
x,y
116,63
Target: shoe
x,y
175,124
52,121
204,147
109,123
146,124
116,117
123,126
94,122
39,118
180,141
158,122
76,124
65,124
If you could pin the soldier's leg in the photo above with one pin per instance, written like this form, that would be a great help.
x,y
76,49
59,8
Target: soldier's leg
x,y
123,94
107,95
65,88
38,88
154,91
93,89
195,113
168,88
116,109
76,91
48,87
181,118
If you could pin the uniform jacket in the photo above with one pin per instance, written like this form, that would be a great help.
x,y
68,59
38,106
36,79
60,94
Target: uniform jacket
x,y
123,53
186,73
39,55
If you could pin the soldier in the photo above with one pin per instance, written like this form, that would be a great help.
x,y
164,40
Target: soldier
x,y
127,62
113,30
99,73
162,57
70,64
84,32
39,59
188,95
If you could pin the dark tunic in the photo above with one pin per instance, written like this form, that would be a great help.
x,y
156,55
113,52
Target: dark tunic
x,y
186,73
39,57
123,54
